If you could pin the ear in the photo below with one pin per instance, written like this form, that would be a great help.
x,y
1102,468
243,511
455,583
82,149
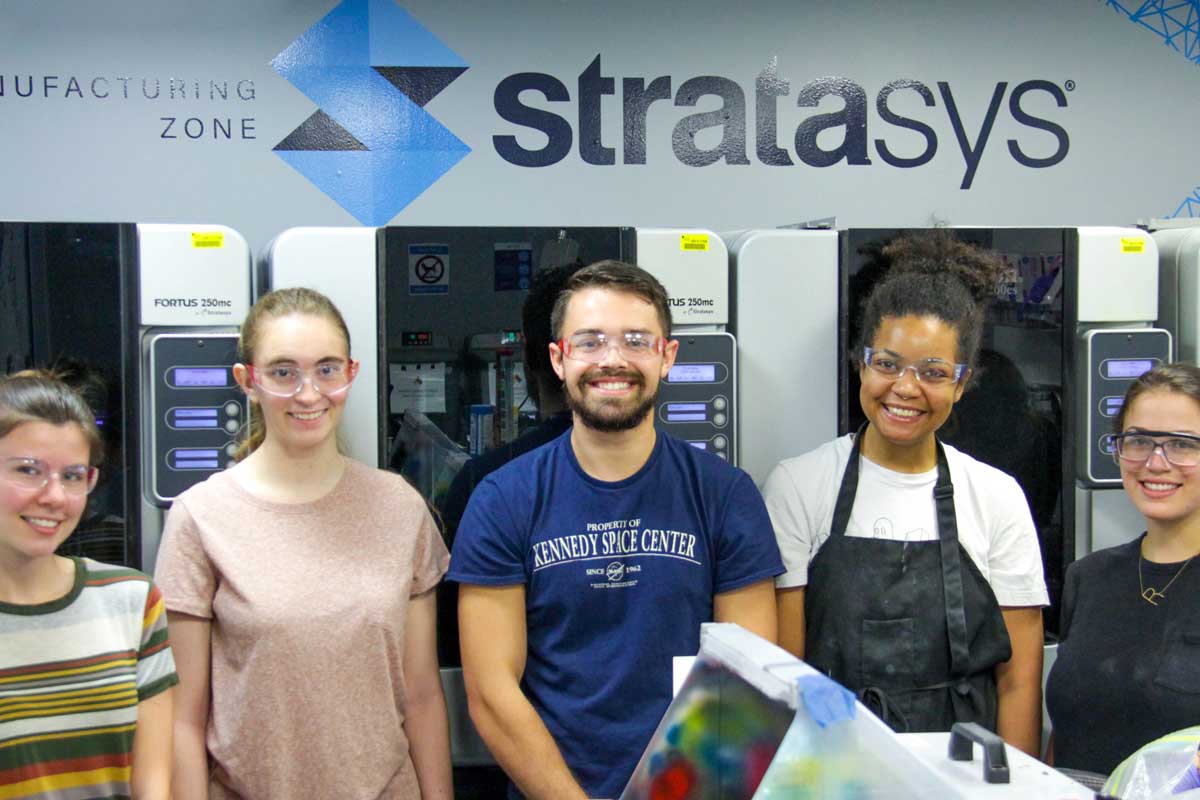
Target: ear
x,y
242,375
961,386
556,361
670,351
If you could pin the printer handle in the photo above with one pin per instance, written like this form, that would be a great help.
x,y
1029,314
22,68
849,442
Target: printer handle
x,y
995,760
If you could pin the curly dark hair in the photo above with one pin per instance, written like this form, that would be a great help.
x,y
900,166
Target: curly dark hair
x,y
931,273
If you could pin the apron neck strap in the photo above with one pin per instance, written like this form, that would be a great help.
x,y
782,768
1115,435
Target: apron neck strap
x,y
952,582
848,488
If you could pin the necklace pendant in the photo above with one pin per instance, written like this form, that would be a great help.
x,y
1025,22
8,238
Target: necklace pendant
x,y
1150,595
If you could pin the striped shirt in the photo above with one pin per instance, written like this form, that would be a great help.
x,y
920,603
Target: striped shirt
x,y
72,672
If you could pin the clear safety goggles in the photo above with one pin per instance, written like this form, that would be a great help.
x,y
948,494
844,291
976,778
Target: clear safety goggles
x,y
593,347
33,474
330,378
934,371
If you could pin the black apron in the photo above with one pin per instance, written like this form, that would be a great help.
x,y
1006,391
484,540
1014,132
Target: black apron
x,y
911,627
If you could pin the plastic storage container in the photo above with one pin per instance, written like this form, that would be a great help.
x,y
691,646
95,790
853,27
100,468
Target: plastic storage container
x,y
752,722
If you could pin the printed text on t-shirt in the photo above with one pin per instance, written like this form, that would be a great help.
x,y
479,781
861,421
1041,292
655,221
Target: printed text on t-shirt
x,y
618,537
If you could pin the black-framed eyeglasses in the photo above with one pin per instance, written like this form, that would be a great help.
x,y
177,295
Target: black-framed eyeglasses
x,y
934,371
1179,449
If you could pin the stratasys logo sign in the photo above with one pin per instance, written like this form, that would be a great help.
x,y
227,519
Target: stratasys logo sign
x,y
903,140
371,67
371,146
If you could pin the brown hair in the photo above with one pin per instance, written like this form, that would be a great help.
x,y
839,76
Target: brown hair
x,y
272,306
1179,378
41,396
620,277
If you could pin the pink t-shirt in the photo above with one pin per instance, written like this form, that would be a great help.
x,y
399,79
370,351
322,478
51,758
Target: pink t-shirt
x,y
308,605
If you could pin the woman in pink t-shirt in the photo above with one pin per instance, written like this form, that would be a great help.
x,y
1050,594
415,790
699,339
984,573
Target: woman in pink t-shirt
x,y
299,586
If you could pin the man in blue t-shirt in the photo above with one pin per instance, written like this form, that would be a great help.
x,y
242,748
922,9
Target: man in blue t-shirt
x,y
587,564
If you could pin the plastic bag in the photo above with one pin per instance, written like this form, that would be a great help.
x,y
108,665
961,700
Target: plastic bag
x,y
425,455
1165,769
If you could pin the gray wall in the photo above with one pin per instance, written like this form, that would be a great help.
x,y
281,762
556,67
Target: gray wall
x,y
1131,113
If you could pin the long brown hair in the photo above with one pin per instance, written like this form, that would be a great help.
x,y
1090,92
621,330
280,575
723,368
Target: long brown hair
x,y
41,396
272,306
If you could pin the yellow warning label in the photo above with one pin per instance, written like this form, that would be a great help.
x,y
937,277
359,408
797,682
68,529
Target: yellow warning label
x,y
694,242
208,239
1132,244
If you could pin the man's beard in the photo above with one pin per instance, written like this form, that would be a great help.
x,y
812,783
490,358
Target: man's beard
x,y
608,422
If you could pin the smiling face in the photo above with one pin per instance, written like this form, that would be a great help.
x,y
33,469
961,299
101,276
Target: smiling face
x,y
308,419
1164,493
617,393
905,412
33,523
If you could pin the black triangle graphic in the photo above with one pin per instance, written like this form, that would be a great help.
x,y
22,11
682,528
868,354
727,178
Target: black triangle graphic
x,y
421,84
320,132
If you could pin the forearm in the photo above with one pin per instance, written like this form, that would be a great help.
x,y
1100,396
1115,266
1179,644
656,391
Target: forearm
x,y
189,777
151,784
789,605
1019,682
522,745
155,786
191,641
1019,717
151,776
428,735
493,636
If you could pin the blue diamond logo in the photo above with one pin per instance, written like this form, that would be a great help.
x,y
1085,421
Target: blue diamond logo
x,y
371,146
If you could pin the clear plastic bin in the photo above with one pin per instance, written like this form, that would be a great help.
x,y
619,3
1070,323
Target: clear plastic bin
x,y
752,722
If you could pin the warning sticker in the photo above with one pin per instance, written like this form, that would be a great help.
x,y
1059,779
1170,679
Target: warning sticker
x,y
429,269
1132,244
694,242
208,239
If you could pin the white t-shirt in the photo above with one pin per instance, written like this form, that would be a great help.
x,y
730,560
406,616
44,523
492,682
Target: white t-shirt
x,y
994,524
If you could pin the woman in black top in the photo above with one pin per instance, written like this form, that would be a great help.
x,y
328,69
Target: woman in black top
x,y
1128,667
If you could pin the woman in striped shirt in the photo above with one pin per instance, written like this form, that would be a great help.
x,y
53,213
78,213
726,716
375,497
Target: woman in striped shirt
x,y
85,663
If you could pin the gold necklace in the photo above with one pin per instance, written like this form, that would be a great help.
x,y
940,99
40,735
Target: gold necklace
x,y
1149,593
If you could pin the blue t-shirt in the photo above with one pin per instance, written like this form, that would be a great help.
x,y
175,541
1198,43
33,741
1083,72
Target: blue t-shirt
x,y
618,578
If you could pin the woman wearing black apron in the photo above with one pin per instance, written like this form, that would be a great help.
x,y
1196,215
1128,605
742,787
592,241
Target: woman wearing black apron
x,y
914,575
